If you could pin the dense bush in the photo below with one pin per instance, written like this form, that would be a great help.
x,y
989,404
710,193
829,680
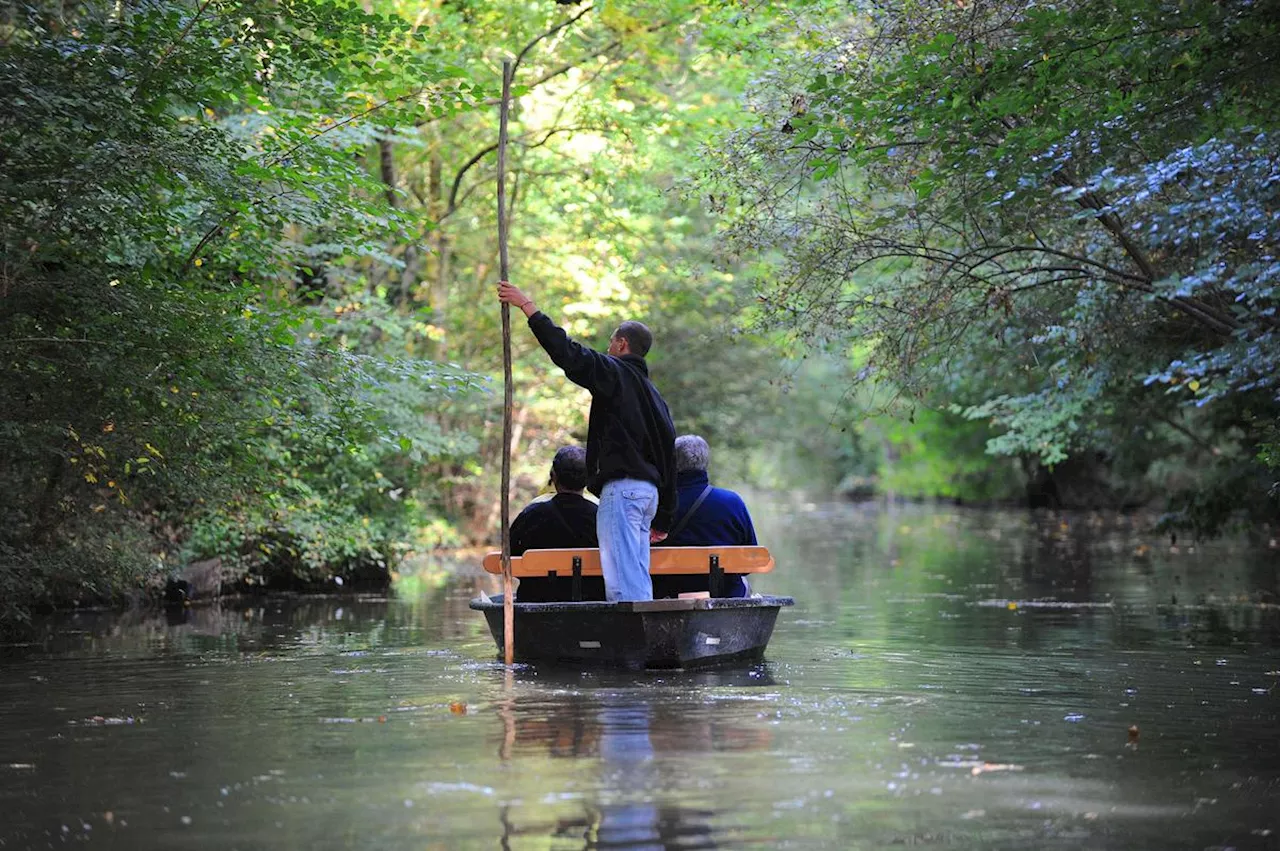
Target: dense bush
x,y
164,166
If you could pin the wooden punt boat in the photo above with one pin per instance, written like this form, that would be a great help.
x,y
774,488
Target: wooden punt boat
x,y
677,633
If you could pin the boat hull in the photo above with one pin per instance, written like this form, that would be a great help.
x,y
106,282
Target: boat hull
x,y
656,634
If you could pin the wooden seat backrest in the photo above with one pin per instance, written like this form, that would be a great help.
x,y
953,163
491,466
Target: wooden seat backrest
x,y
662,561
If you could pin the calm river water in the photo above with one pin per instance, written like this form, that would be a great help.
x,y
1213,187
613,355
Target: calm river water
x,y
971,680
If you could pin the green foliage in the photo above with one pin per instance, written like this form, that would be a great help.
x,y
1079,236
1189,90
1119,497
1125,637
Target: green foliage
x,y
248,253
1057,220
347,498
96,567
935,454
241,239
165,164
603,229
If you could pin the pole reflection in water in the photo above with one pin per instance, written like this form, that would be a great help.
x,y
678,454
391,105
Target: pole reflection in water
x,y
643,741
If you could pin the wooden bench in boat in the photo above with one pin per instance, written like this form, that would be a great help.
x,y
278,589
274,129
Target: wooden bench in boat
x,y
663,561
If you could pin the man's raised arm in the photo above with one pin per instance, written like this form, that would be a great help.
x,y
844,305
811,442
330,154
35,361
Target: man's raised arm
x,y
582,365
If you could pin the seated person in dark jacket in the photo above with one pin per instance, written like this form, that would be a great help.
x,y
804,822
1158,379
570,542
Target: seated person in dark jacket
x,y
705,517
566,520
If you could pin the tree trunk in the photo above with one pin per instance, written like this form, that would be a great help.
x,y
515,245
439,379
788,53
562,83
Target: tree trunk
x,y
46,522
387,170
397,295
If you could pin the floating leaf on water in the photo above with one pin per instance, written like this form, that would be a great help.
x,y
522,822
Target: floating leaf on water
x,y
993,766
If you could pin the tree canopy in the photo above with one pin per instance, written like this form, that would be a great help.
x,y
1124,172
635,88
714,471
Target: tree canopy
x,y
1060,220
935,249
247,254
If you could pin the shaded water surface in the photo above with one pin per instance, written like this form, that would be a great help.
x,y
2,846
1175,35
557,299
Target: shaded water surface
x,y
949,679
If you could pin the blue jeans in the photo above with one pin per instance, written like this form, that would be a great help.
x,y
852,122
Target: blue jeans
x,y
626,509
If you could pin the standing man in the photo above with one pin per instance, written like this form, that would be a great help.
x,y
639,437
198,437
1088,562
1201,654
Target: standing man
x,y
630,444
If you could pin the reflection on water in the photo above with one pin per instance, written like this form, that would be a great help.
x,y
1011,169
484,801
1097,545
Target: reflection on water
x,y
622,727
946,678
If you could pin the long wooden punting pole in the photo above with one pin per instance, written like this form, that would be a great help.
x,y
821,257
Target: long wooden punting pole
x,y
508,613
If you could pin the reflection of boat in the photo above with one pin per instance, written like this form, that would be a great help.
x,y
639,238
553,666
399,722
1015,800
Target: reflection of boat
x,y
627,739
559,711
578,732
677,633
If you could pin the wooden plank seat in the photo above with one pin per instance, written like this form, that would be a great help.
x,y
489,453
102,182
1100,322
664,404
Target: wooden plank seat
x,y
663,561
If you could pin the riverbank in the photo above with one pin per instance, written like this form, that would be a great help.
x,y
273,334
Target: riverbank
x,y
206,581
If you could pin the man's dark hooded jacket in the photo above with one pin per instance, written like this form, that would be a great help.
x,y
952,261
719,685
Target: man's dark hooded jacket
x,y
564,521
630,434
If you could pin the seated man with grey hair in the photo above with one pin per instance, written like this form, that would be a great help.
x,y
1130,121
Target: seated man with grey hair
x,y
705,516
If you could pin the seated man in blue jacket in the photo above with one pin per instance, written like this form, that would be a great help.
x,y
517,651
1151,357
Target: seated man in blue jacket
x,y
566,520
705,516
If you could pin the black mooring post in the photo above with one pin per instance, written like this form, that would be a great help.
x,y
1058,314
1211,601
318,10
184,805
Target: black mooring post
x,y
717,577
576,594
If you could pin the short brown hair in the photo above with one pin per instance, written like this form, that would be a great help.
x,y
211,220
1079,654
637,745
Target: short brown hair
x,y
639,338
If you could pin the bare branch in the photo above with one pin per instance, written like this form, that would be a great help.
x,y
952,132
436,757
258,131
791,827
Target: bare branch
x,y
483,152
182,36
515,66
